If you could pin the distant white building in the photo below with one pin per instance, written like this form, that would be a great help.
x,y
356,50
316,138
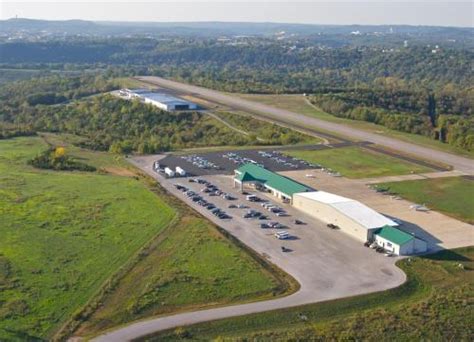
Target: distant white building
x,y
160,100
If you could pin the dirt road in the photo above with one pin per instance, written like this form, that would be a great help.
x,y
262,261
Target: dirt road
x,y
463,164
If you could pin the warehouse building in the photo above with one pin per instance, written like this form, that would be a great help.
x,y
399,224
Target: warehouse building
x,y
351,216
160,100
263,179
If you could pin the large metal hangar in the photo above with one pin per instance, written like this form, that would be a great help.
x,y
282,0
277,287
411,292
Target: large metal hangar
x,y
353,217
163,101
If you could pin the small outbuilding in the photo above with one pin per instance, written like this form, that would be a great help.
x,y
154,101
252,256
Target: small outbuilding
x,y
399,242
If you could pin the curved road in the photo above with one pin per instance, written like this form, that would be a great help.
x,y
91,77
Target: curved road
x,y
459,163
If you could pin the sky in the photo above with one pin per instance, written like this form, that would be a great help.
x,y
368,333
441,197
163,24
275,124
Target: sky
x,y
370,12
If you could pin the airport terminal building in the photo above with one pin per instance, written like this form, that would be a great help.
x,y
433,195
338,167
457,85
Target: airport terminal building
x,y
281,187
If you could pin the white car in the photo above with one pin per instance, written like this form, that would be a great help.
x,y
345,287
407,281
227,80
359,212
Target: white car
x,y
282,235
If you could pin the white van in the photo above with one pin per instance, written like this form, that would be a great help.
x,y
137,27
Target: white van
x,y
282,235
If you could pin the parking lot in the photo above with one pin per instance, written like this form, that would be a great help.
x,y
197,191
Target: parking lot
x,y
327,263
225,162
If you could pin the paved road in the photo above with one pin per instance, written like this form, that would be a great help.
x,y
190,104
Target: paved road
x,y
328,264
463,164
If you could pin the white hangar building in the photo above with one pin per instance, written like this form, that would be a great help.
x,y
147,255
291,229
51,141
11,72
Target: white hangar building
x,y
353,217
168,102
160,100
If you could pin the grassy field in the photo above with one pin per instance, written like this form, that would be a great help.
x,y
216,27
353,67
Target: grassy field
x,y
195,266
63,235
298,103
355,162
266,131
72,241
453,196
435,304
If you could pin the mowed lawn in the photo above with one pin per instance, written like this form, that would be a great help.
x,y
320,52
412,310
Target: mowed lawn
x,y
453,196
435,304
355,162
62,235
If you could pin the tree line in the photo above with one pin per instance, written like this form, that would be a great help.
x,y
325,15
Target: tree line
x,y
445,115
108,123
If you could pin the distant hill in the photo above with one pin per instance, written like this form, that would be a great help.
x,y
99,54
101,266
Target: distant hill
x,y
220,28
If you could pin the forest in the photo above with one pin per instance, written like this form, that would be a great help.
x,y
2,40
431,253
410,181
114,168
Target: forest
x,y
108,123
257,66
419,88
445,115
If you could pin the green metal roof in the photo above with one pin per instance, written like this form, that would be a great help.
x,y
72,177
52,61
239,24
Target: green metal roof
x,y
394,235
245,177
256,173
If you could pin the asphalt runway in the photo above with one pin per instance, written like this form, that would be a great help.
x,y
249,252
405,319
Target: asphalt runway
x,y
302,122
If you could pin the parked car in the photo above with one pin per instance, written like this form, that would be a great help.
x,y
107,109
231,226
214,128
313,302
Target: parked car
x,y
332,226
298,221
281,213
282,235
232,206
264,225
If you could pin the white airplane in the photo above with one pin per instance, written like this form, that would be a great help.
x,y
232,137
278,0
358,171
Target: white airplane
x,y
419,207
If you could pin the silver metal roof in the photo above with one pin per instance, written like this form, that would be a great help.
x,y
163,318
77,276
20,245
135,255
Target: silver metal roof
x,y
355,210
161,97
